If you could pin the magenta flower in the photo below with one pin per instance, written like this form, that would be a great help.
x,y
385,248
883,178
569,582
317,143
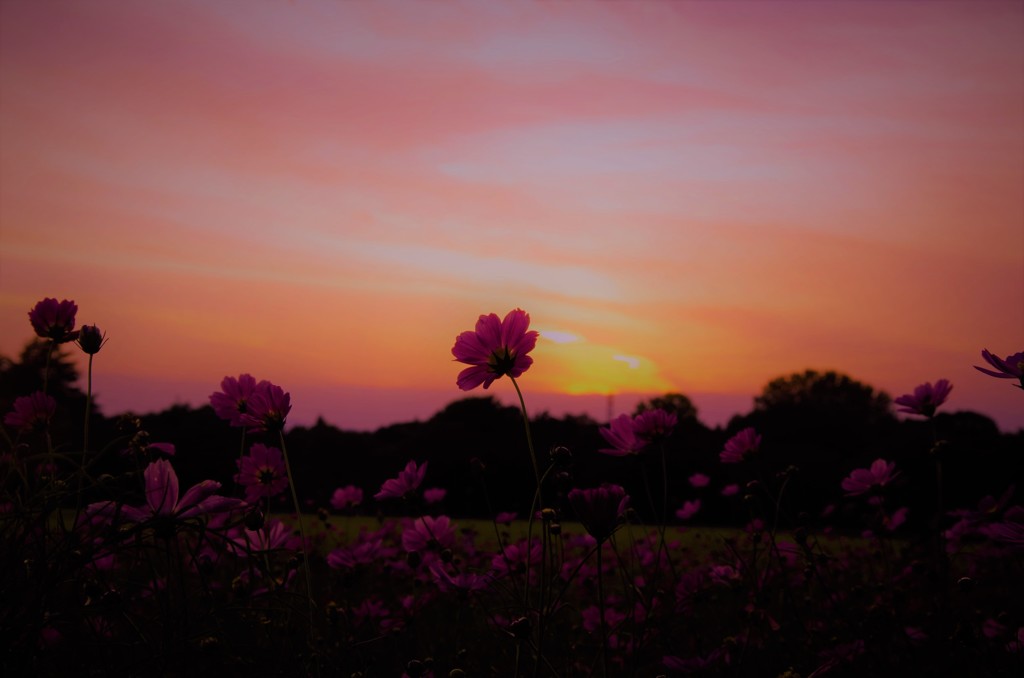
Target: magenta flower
x,y
699,480
275,536
268,407
434,495
688,510
163,501
232,401
495,348
406,483
654,425
52,319
740,446
31,412
347,496
262,472
429,533
599,509
621,435
864,480
925,399
1012,367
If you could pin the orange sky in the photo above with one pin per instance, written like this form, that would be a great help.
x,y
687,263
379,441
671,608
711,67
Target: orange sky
x,y
687,196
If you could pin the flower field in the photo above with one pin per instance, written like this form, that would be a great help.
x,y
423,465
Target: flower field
x,y
112,565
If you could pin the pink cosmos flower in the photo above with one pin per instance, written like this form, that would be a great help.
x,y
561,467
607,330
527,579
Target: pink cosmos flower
x,y
262,472
366,551
31,411
495,348
599,509
621,435
231,402
406,483
654,425
730,490
433,495
464,581
505,517
275,536
163,501
689,509
268,407
740,446
429,533
52,319
1012,367
925,399
347,496
699,480
864,480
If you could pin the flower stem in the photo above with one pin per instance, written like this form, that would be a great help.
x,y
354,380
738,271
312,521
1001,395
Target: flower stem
x,y
88,408
529,437
302,532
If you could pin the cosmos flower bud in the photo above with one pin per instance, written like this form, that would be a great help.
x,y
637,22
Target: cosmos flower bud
x,y
91,339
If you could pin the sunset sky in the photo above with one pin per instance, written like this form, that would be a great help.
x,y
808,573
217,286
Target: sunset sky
x,y
685,196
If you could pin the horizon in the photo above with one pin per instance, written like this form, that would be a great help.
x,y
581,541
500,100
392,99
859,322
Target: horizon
x,y
686,197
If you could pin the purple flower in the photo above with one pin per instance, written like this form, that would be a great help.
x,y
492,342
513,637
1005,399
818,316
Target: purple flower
x,y
1012,367
740,446
268,407
495,348
864,480
347,496
163,501
688,510
405,484
429,533
699,480
925,399
599,509
621,435
654,425
262,472
31,412
433,495
52,319
232,401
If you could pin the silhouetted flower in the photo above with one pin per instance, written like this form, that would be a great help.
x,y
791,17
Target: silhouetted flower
x,y
347,496
232,401
268,407
429,533
1012,367
621,435
406,483
654,425
740,446
52,319
495,348
925,399
599,509
91,339
864,480
31,411
162,500
262,472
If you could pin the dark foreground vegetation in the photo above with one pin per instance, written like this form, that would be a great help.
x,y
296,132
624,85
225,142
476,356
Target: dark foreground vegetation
x,y
816,535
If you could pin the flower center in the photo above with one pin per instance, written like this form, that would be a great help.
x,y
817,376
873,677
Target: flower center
x,y
266,475
501,361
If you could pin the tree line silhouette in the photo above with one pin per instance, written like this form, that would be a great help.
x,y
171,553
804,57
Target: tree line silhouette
x,y
815,426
